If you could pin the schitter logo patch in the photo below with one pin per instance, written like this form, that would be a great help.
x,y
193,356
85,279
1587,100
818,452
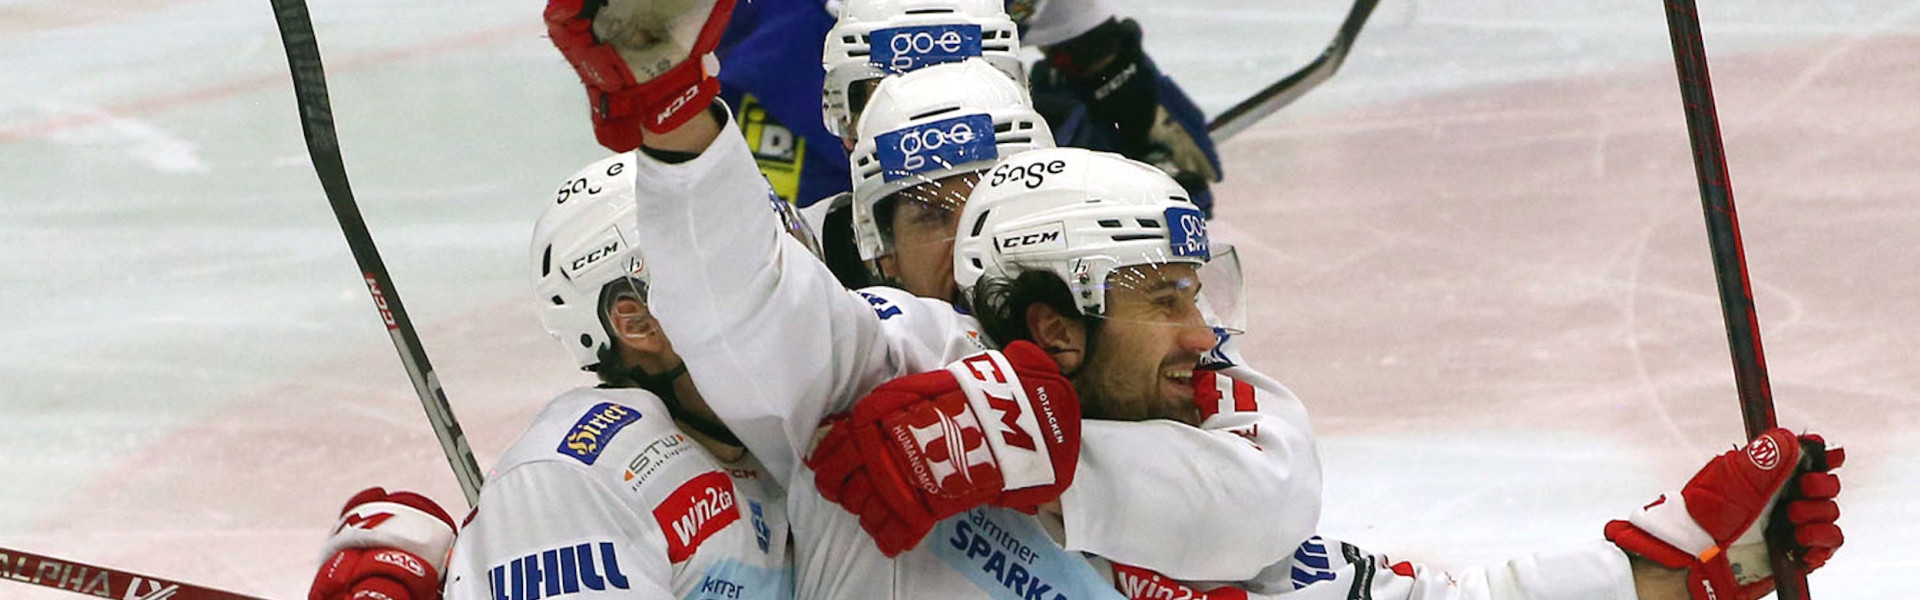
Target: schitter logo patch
x,y
590,434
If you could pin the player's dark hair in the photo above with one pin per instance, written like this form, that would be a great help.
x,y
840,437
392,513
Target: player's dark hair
x,y
1001,305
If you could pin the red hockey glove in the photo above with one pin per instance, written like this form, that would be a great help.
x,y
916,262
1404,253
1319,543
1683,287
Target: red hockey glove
x,y
386,547
647,64
993,428
1714,526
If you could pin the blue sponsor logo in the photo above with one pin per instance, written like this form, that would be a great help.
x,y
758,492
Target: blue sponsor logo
x,y
592,432
1187,231
1311,564
903,49
558,572
1008,556
935,145
881,307
761,532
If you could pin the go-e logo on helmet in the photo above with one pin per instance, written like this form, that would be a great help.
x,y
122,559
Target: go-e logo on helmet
x,y
903,49
1030,174
940,144
1187,232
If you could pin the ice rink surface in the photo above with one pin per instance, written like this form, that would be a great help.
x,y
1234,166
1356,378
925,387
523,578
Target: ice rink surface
x,y
1477,254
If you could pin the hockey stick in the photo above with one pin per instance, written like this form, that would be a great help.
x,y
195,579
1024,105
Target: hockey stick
x,y
1729,265
316,121
1265,102
82,578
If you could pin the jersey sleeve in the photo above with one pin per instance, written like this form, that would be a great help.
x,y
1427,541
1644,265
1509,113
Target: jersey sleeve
x,y
1226,499
1325,569
548,528
770,337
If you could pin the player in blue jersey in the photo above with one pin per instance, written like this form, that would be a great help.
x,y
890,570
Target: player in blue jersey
x,y
1096,88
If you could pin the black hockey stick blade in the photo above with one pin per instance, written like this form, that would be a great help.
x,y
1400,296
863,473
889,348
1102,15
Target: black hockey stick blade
x,y
81,578
1729,265
316,121
1243,115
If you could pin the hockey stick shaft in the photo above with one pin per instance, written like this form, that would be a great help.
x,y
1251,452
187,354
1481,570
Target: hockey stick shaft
x,y
1729,260
316,121
1240,116
82,578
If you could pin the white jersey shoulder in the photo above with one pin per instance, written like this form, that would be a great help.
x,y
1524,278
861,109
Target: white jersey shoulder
x,y
603,496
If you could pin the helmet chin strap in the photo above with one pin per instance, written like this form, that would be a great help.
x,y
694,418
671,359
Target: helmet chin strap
x,y
661,385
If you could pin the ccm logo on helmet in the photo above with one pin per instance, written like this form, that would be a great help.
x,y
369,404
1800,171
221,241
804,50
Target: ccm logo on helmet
x,y
594,256
1046,237
1031,174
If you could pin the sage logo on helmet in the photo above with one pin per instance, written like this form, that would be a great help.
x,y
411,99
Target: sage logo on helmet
x,y
937,145
903,49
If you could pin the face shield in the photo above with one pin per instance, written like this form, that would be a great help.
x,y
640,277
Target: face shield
x,y
1156,289
923,219
1223,302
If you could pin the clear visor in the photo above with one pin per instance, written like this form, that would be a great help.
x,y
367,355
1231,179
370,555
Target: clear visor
x,y
1224,303
633,321
858,94
925,218
1177,294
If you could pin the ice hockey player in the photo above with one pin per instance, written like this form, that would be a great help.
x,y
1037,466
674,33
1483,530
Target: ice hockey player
x,y
1022,258
875,39
754,303
1104,87
627,489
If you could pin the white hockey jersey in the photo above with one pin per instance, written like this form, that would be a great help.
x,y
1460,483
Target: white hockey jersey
x,y
775,344
1328,569
603,497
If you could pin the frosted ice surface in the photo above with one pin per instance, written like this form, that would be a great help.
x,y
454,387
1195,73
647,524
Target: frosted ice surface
x,y
1476,254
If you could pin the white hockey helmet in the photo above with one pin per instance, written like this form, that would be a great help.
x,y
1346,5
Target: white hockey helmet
x,y
933,123
583,242
1086,216
587,240
878,38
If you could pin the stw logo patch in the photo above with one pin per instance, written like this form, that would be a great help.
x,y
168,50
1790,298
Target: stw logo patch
x,y
694,512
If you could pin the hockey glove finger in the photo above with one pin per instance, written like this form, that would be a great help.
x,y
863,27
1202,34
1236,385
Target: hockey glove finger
x,y
1808,512
1819,485
833,460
